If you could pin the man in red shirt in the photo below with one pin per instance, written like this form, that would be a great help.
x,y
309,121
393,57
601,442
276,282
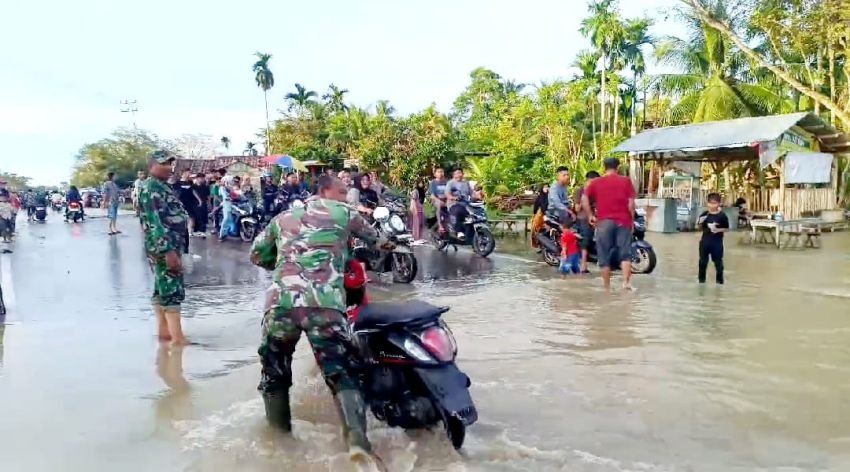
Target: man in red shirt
x,y
614,198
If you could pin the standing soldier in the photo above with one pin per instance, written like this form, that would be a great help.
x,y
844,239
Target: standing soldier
x,y
164,222
306,249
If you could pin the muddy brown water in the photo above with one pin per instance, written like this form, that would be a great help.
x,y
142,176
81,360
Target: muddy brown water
x,y
754,375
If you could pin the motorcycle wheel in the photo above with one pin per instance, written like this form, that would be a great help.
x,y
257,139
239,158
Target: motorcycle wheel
x,y
456,431
437,241
404,268
248,232
643,260
552,259
483,242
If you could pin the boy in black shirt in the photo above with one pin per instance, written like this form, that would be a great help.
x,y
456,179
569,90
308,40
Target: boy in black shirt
x,y
713,224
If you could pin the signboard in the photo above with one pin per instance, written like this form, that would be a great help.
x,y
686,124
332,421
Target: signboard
x,y
793,140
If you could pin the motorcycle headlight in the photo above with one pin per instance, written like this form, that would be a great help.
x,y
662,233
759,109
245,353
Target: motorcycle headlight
x,y
397,224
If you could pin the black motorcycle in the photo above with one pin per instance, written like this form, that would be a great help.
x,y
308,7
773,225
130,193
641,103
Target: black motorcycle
x,y
643,255
401,261
474,227
40,212
405,365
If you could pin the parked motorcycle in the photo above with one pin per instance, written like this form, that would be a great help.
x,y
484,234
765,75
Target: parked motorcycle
x,y
642,255
404,363
73,212
474,227
401,261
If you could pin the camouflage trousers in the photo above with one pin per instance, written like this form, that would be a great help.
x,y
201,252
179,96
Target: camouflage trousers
x,y
168,291
326,331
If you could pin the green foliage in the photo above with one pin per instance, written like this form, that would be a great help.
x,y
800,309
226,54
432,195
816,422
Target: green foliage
x,y
125,152
15,181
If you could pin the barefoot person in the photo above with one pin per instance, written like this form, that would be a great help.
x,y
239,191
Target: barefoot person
x,y
614,199
164,222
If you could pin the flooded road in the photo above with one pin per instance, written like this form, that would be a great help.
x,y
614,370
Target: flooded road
x,y
754,375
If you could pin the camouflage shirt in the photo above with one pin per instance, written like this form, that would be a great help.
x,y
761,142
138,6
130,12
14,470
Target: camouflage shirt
x,y
164,220
306,248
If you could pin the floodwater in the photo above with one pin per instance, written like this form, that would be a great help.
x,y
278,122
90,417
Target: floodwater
x,y
754,375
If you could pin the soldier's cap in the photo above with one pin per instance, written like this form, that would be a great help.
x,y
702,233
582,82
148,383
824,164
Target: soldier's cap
x,y
162,156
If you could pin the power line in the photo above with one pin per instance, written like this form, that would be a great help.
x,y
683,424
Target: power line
x,y
129,106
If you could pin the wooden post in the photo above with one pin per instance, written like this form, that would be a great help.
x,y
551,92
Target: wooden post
x,y
781,164
833,177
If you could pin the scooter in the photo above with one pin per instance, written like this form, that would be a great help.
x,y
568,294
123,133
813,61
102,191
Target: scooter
x,y
404,362
401,261
74,212
474,227
642,253
248,216
40,213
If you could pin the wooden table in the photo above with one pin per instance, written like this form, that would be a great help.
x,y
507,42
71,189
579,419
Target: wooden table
x,y
808,227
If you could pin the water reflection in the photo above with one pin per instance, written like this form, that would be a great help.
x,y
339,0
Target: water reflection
x,y
114,262
176,402
2,334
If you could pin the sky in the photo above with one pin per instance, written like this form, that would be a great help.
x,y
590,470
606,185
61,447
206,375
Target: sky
x,y
187,63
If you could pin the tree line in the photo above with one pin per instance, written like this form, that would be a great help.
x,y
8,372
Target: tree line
x,y
738,58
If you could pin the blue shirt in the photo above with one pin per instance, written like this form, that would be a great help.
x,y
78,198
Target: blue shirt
x,y
558,197
437,188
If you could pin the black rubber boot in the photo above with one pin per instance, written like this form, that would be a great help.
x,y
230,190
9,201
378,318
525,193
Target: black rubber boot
x,y
277,409
352,411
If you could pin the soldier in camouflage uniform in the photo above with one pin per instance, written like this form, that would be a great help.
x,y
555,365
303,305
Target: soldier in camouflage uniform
x,y
306,248
164,222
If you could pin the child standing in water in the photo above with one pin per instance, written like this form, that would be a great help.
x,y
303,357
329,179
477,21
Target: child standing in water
x,y
713,223
570,254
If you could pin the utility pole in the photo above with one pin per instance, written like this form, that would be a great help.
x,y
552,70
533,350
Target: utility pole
x,y
129,106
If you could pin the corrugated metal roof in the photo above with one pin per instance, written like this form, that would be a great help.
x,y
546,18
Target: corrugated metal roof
x,y
740,132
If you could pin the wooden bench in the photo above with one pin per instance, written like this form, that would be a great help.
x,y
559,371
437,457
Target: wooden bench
x,y
510,225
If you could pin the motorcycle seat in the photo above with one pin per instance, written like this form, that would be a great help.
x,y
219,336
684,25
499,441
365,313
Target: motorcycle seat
x,y
378,315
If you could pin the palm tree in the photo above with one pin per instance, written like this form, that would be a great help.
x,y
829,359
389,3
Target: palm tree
x,y
636,38
383,109
714,82
250,149
265,80
606,32
588,80
300,99
334,99
225,141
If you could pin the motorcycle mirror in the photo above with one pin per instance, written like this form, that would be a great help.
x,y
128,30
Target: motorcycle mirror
x,y
381,213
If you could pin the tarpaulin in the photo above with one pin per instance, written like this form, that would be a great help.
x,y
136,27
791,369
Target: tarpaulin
x,y
808,168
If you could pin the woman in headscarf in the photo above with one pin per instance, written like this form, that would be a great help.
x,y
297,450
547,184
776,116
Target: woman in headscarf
x,y
541,204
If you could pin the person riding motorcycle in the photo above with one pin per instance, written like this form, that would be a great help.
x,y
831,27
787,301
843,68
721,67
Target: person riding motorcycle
x,y
306,248
559,197
73,196
269,191
362,197
458,190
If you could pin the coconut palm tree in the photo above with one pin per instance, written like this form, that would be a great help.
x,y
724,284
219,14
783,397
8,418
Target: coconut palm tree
x,y
225,141
265,80
383,109
334,99
250,149
606,31
636,38
300,99
588,80
715,82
